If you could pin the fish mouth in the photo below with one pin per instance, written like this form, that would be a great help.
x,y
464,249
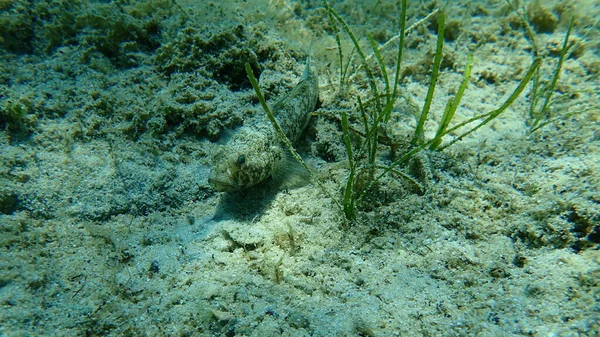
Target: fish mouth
x,y
220,185
220,180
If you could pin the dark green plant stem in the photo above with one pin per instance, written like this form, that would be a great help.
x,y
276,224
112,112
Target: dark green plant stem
x,y
388,112
271,117
371,134
487,117
528,29
280,132
338,41
384,73
418,138
373,120
349,199
543,112
359,50
535,87
452,105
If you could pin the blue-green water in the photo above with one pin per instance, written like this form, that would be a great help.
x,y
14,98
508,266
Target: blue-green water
x,y
111,112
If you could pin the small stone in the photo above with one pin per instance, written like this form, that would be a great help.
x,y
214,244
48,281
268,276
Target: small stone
x,y
222,316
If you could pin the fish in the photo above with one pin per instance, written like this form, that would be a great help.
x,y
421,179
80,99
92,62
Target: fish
x,y
256,152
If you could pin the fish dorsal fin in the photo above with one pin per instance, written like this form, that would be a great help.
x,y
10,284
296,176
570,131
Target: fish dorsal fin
x,y
307,69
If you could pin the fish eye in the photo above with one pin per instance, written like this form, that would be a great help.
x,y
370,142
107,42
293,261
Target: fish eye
x,y
241,160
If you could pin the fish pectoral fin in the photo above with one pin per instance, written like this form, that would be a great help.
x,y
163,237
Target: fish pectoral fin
x,y
290,173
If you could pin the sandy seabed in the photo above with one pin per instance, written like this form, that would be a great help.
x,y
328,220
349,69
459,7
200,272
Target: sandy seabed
x,y
110,112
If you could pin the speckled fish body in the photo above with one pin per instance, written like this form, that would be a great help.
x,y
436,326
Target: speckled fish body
x,y
256,152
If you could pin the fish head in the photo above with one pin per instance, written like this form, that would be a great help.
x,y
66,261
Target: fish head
x,y
244,164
